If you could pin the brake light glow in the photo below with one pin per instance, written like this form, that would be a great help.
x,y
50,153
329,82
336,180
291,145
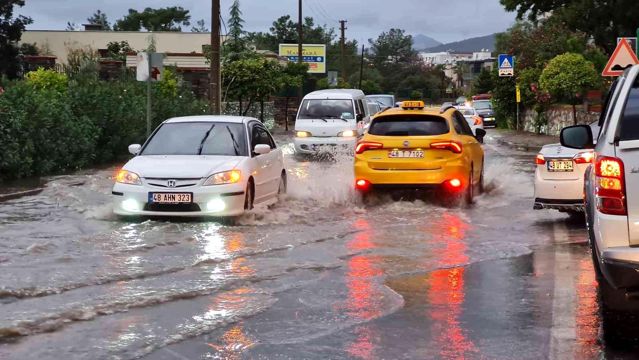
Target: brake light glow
x,y
366,145
452,146
584,157
362,184
540,160
456,183
610,186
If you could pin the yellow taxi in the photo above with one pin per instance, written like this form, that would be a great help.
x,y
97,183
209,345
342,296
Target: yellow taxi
x,y
417,147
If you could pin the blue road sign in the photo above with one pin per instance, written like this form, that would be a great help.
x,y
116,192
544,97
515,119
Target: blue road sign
x,y
506,65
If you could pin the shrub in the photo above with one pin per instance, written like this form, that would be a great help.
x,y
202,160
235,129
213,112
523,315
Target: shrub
x,y
42,79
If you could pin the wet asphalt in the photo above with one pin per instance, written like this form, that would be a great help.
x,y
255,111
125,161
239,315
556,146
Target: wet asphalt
x,y
320,275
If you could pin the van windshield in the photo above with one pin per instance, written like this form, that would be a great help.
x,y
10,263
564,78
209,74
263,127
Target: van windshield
x,y
327,109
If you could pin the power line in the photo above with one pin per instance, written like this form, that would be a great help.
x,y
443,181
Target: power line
x,y
326,13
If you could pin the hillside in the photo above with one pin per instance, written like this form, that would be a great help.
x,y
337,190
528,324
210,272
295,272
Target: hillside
x,y
421,41
468,45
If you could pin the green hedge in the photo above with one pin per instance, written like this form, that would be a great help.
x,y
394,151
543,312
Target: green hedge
x,y
51,129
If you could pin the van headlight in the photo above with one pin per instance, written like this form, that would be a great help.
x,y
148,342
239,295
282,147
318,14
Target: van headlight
x,y
348,133
302,134
127,177
223,178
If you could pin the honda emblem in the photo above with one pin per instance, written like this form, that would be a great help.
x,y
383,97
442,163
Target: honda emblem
x,y
171,183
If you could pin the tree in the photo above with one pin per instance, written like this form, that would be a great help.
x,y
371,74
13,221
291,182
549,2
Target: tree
x,y
71,26
392,54
483,84
604,20
118,50
235,45
100,18
568,77
200,26
11,29
164,19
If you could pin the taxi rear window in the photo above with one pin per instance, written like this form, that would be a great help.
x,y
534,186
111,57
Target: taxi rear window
x,y
409,125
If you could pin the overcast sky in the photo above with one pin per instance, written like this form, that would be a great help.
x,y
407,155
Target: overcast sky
x,y
445,21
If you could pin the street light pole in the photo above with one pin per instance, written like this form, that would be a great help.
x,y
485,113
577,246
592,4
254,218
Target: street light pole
x,y
215,76
300,50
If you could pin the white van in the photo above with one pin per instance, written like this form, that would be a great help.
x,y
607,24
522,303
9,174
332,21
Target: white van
x,y
330,120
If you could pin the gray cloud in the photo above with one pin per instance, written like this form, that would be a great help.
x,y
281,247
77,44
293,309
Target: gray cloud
x,y
449,20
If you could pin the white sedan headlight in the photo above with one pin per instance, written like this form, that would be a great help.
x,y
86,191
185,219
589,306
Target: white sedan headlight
x,y
128,177
348,133
223,178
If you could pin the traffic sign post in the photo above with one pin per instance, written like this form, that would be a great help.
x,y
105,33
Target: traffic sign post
x,y
518,98
506,65
149,69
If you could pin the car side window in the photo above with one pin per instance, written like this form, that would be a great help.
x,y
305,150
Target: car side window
x,y
461,126
630,118
261,137
606,112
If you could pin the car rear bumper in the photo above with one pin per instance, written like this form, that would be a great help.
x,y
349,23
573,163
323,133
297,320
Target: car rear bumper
x,y
620,266
314,145
556,204
132,200
410,178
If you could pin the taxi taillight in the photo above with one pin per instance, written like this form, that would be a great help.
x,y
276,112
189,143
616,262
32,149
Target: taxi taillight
x,y
452,146
367,145
610,186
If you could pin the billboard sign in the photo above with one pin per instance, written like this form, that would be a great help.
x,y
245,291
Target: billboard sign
x,y
312,54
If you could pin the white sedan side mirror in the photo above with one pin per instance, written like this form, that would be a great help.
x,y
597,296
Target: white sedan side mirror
x,y
262,149
135,149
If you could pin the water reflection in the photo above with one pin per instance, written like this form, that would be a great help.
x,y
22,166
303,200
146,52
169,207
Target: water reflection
x,y
446,290
587,312
364,292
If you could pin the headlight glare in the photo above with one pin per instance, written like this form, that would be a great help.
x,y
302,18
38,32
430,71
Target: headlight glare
x,y
226,177
348,133
127,177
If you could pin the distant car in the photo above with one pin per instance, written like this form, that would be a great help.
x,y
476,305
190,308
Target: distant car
x,y
559,177
461,101
485,110
472,117
373,107
384,99
201,166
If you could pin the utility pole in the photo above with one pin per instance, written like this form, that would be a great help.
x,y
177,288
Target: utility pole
x,y
361,67
300,50
215,76
343,49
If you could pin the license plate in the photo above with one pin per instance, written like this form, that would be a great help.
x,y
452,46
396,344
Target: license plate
x,y
406,154
324,148
170,198
560,166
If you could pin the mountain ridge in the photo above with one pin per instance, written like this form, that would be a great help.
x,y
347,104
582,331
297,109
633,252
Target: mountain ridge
x,y
468,45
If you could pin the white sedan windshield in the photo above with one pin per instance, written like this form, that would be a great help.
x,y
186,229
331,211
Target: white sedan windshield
x,y
198,138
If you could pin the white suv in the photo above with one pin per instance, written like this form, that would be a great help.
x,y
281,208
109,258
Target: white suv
x,y
611,189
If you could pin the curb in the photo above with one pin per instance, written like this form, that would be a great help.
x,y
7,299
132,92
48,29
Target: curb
x,y
19,194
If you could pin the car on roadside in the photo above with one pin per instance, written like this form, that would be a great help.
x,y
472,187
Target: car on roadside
x,y
198,166
413,147
611,202
385,100
472,117
559,176
485,110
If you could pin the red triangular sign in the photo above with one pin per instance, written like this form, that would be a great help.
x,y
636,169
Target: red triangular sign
x,y
621,59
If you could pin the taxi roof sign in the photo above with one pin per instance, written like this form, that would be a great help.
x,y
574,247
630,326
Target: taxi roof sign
x,y
413,105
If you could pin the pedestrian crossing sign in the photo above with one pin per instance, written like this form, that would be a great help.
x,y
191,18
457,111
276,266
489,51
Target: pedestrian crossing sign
x,y
506,65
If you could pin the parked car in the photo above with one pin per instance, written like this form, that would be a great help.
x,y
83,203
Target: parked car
x,y
485,110
472,117
201,166
559,176
611,189
385,100
330,121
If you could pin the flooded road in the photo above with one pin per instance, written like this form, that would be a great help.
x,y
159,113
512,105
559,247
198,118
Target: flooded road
x,y
320,275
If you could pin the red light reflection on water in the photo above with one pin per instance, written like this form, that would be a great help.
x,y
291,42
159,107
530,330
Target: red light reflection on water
x,y
446,290
586,312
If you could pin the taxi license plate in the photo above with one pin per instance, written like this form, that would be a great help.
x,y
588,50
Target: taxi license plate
x,y
560,166
406,154
170,198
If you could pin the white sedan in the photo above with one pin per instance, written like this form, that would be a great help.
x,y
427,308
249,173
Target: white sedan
x,y
559,177
201,166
